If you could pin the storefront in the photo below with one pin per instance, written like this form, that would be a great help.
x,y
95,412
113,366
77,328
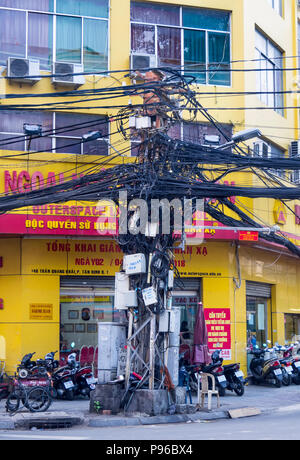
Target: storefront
x,y
55,291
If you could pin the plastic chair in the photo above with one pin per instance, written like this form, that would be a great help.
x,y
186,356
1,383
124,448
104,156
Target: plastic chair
x,y
83,355
2,368
91,352
205,390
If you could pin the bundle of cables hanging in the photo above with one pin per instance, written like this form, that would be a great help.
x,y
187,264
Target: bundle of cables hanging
x,y
160,264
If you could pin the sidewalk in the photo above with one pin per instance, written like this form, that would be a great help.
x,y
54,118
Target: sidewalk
x,y
64,414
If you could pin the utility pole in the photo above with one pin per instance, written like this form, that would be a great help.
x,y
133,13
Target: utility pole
x,y
149,320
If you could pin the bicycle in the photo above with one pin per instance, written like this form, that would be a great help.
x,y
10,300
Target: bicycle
x,y
35,399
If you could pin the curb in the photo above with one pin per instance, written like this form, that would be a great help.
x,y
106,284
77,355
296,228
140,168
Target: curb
x,y
62,420
157,419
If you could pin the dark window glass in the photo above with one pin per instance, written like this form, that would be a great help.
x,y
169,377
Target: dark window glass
x,y
65,145
40,32
7,143
97,147
219,58
92,8
169,47
13,122
155,14
195,54
68,39
143,39
76,124
199,18
12,34
36,5
95,45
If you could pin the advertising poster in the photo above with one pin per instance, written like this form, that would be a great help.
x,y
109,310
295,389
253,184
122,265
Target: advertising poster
x,y
219,330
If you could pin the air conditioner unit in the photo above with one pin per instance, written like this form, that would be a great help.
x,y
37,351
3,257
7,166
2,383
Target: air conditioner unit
x,y
65,74
23,70
294,149
262,149
142,61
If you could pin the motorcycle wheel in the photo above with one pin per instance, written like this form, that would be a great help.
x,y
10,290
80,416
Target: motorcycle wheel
x,y
296,379
38,400
286,378
13,402
239,388
69,395
222,391
278,383
194,386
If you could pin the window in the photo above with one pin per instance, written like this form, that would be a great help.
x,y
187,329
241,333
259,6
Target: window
x,y
197,133
269,150
269,82
76,32
63,132
194,39
277,6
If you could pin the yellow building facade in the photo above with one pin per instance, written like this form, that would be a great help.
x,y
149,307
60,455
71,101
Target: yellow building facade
x,y
56,271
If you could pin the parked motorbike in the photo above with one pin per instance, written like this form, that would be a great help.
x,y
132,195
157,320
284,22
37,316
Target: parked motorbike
x,y
83,378
72,380
29,368
286,365
265,370
233,374
295,363
49,363
217,370
63,384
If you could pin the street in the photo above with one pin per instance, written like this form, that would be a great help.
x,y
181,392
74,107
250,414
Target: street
x,y
282,425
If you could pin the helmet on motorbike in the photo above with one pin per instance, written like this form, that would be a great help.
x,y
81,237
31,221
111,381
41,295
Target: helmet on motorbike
x,y
72,359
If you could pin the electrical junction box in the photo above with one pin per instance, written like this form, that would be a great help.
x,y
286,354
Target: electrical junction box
x,y
134,264
149,296
140,122
124,298
143,122
167,321
151,230
170,279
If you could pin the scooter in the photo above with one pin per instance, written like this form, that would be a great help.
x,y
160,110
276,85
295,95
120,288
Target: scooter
x,y
233,374
295,363
286,365
28,368
63,384
83,378
217,370
265,370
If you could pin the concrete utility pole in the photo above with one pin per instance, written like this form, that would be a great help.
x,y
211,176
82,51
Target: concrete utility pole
x,y
148,328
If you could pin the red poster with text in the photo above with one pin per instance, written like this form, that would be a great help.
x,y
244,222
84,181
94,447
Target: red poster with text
x,y
219,330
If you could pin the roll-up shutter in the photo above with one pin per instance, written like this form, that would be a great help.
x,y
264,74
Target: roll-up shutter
x,y
76,284
258,289
188,284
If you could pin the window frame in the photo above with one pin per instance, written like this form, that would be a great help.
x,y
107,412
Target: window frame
x,y
264,60
54,15
182,29
53,136
274,7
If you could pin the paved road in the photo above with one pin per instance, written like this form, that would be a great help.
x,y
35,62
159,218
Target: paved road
x,y
282,425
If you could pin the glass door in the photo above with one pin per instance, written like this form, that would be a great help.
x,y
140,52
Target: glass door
x,y
80,311
257,328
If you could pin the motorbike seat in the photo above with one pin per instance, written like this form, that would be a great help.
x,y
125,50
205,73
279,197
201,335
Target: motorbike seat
x,y
229,366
